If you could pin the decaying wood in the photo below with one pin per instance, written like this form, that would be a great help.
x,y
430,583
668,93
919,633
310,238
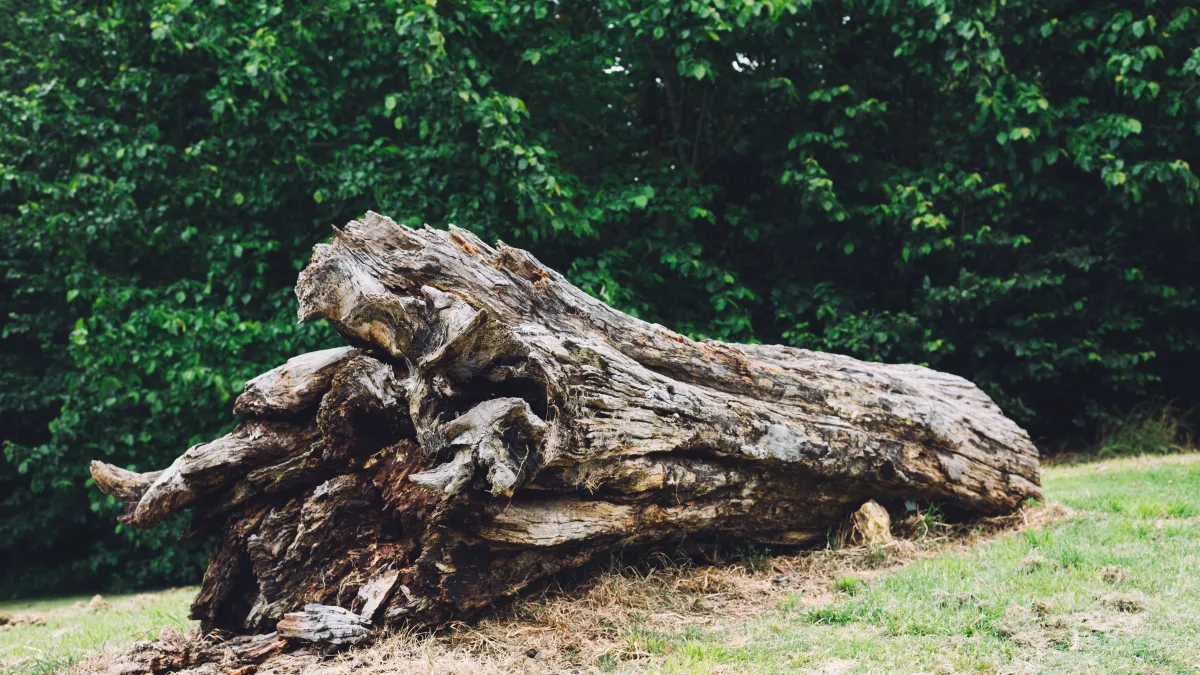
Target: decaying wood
x,y
490,424
324,624
294,388
177,651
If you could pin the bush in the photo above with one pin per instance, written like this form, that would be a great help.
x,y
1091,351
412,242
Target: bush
x,y
1146,431
1002,191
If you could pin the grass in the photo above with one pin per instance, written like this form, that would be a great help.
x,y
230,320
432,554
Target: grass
x,y
1149,430
64,629
1110,588
1113,590
850,585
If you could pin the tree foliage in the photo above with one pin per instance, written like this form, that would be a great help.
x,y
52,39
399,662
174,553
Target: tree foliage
x,y
1003,190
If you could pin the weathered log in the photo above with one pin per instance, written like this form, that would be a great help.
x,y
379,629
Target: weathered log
x,y
491,425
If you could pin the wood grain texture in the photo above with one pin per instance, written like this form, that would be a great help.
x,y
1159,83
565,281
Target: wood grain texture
x,y
490,424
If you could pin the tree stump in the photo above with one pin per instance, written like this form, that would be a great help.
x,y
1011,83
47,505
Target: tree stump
x,y
490,425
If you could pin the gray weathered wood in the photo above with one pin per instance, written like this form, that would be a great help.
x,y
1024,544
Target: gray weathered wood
x,y
324,624
492,424
294,387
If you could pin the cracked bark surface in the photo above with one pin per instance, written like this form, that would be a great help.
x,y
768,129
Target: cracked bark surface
x,y
489,425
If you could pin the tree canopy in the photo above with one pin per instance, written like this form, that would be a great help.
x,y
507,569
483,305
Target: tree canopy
x,y
1003,190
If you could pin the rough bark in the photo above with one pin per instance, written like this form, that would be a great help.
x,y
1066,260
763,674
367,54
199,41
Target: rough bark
x,y
491,424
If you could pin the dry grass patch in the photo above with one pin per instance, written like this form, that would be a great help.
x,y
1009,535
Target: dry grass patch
x,y
622,617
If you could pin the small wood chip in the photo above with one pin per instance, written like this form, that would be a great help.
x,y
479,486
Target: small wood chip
x,y
376,592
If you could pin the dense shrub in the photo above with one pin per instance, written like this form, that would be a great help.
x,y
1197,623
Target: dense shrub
x,y
1001,190
1147,430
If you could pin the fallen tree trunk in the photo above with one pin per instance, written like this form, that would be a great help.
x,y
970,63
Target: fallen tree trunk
x,y
490,425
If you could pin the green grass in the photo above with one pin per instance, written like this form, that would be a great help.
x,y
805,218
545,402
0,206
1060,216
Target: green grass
x,y
1115,589
70,632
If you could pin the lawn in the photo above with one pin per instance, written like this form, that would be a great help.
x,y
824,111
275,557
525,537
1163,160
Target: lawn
x,y
63,629
1112,588
1115,589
